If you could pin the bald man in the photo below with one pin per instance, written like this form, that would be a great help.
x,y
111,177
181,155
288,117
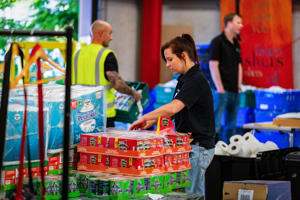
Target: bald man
x,y
95,64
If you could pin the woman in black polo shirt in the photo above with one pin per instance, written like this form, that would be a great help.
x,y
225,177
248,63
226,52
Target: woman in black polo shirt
x,y
192,107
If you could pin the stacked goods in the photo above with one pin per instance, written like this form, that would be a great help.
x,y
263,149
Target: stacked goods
x,y
137,153
55,158
269,104
274,101
88,110
15,117
127,109
10,175
53,187
109,186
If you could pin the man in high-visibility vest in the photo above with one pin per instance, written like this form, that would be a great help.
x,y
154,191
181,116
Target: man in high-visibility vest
x,y
95,64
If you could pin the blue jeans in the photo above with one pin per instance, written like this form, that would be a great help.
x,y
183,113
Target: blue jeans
x,y
226,104
200,159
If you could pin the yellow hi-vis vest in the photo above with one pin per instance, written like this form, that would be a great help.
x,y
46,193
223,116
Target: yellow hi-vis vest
x,y
88,69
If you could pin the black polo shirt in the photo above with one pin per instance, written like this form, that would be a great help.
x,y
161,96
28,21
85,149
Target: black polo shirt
x,y
197,116
228,55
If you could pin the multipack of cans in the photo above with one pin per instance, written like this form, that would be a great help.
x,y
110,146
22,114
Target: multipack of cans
x,y
111,186
142,151
131,142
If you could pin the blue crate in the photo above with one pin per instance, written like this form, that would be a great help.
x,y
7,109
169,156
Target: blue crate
x,y
164,94
157,105
267,115
244,116
280,139
288,100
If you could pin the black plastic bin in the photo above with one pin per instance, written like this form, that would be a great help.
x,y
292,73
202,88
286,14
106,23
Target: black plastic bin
x,y
268,165
227,168
292,165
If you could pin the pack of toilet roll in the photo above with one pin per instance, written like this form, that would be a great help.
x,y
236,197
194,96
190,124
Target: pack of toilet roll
x,y
243,146
88,110
14,127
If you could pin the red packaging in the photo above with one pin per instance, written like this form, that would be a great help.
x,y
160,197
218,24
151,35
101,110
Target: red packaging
x,y
83,158
102,142
103,160
122,145
159,143
170,141
84,139
54,160
135,144
174,159
10,173
92,140
114,161
93,159
149,163
159,162
124,162
113,143
147,144
168,160
137,163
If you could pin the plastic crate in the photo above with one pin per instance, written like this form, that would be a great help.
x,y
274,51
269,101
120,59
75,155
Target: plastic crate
x,y
157,105
164,94
292,168
247,99
280,139
288,100
128,112
244,116
266,115
270,164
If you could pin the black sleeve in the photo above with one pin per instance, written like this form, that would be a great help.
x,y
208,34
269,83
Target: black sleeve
x,y
189,92
111,63
239,58
214,50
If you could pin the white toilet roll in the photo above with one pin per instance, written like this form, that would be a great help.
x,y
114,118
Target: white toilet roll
x,y
234,149
269,145
236,139
252,143
221,148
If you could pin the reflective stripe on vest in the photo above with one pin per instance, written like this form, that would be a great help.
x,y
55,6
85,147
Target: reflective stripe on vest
x,y
97,72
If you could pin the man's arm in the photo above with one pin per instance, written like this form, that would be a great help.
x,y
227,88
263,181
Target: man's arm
x,y
240,78
151,118
119,84
215,74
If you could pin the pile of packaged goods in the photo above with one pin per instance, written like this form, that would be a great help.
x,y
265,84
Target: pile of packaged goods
x,y
95,184
116,164
135,153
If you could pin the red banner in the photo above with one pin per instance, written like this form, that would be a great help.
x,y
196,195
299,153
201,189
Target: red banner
x,y
266,46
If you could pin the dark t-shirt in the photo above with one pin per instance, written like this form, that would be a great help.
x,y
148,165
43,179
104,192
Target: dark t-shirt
x,y
228,55
197,116
110,64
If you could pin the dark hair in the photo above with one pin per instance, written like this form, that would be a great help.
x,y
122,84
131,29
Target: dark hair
x,y
180,44
229,18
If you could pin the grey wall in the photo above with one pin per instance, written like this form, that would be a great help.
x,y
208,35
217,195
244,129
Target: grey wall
x,y
204,15
125,17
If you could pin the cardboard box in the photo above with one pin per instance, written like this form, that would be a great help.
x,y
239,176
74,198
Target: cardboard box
x,y
257,190
295,122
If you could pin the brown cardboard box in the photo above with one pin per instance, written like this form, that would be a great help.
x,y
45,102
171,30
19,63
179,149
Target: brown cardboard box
x,y
290,122
256,190
231,190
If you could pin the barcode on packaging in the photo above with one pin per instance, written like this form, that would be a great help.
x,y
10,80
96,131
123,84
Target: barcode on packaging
x,y
245,194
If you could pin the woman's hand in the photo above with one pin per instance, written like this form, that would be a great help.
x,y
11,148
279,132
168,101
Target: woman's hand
x,y
142,124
